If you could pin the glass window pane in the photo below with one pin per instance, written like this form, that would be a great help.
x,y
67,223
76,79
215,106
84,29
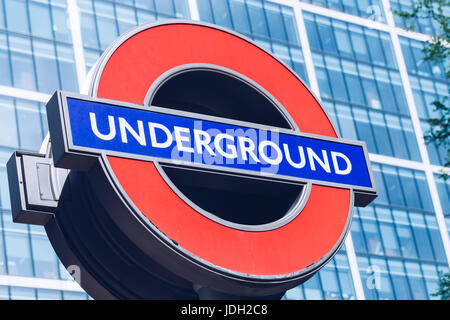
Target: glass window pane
x,y
16,15
4,293
21,293
40,20
70,295
399,280
165,7
47,294
329,283
60,24
29,117
416,281
221,13
18,254
107,28
312,288
241,21
8,124
257,18
275,22
46,66
44,258
22,63
204,10
67,68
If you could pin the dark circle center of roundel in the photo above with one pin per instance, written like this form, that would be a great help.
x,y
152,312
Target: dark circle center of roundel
x,y
235,199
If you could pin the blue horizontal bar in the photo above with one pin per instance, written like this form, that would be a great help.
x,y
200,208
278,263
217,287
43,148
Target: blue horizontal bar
x,y
219,144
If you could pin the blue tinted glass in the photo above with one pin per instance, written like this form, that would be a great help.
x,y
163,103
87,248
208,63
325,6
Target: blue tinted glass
x,y
204,10
145,16
18,254
369,87
313,36
312,288
380,133
393,186
126,18
2,17
5,79
257,18
16,15
47,294
343,40
359,44
399,280
322,79
409,188
67,69
368,278
436,240
275,22
373,239
336,78
345,120
88,25
423,191
70,295
181,9
60,24
375,48
431,279
329,283
46,66
388,50
345,277
421,236
29,118
45,264
384,288
240,18
107,27
8,128
294,294
40,20
385,89
371,9
2,257
4,191
399,93
145,4
443,188
364,128
358,236
290,25
221,13
389,239
415,279
326,35
404,233
298,63
22,63
410,139
165,7
21,293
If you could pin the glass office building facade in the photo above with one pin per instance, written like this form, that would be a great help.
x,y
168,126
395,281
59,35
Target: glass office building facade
x,y
355,55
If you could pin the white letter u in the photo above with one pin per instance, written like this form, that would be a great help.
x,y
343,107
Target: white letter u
x,y
112,127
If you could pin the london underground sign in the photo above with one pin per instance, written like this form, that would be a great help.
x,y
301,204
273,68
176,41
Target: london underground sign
x,y
198,160
158,134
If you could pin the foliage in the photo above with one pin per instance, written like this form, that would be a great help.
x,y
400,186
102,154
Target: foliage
x,y
444,286
436,50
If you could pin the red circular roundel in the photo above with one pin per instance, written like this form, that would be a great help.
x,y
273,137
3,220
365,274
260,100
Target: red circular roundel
x,y
299,247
